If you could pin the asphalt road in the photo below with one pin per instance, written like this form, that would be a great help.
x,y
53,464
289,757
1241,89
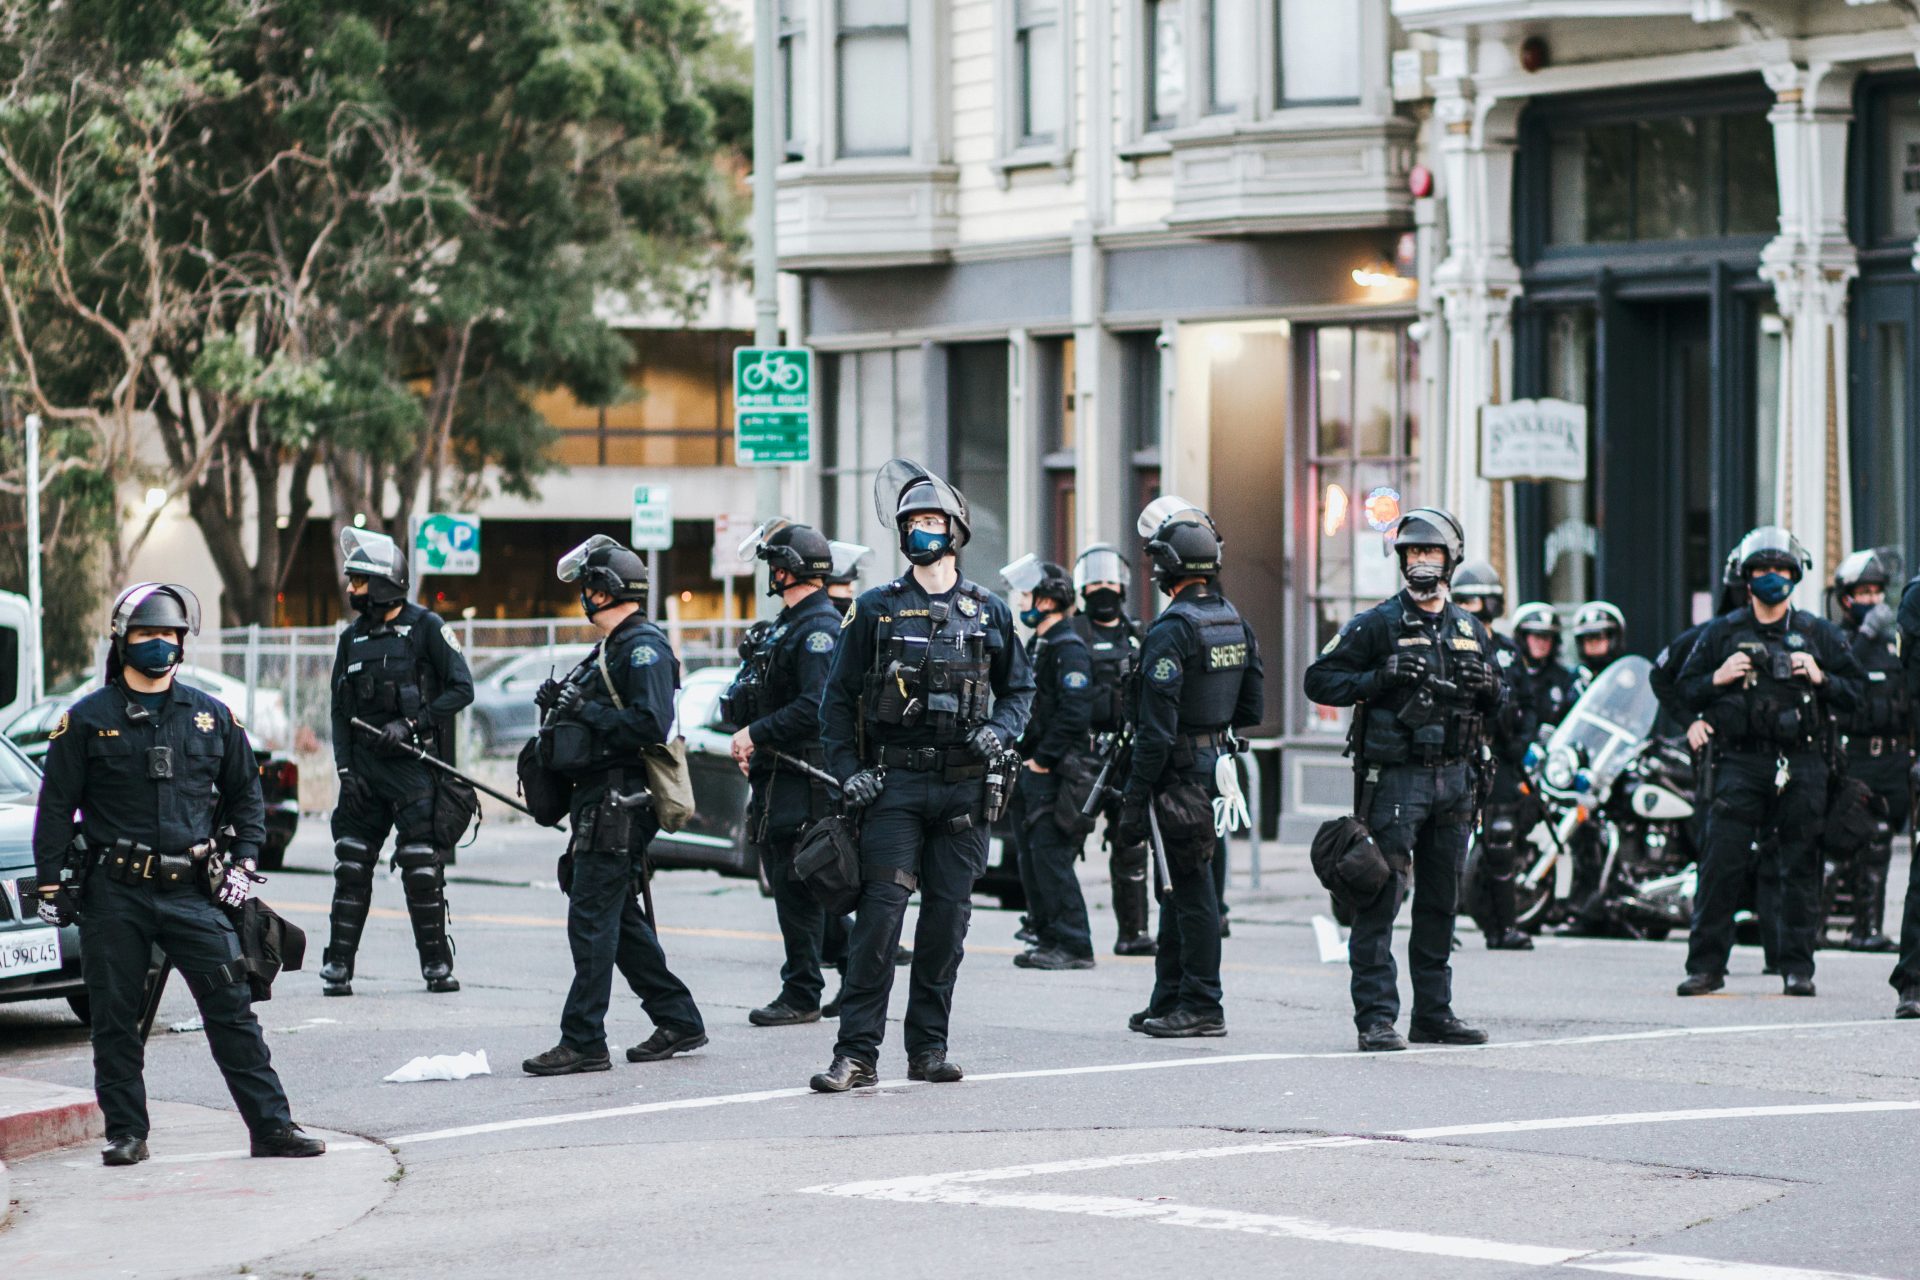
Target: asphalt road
x,y
1610,1127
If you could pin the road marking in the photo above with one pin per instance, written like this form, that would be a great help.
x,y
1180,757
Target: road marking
x,y
1653,1117
1161,1064
1326,936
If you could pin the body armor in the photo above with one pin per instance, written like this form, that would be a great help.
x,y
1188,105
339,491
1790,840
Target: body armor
x,y
1209,692
1770,709
749,697
383,676
1886,708
1434,720
1115,653
938,683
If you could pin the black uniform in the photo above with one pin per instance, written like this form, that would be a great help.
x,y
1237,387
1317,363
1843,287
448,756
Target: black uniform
x,y
777,700
1906,974
1055,733
1769,776
410,668
1879,743
913,678
1114,649
168,779
1200,675
628,681
1665,677
1505,822
1550,686
1421,746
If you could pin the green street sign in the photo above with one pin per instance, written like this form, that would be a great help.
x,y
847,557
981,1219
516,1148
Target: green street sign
x,y
772,405
447,543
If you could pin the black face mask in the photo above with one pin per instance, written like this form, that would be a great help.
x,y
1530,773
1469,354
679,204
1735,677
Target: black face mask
x,y
1104,604
842,603
362,601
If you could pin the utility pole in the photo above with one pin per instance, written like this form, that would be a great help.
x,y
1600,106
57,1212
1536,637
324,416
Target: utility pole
x,y
766,256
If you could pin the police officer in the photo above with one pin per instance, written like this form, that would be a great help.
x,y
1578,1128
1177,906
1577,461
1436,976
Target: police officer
x,y
1478,591
1879,732
1672,659
1763,679
1200,677
1905,978
1419,672
928,689
776,702
1055,740
400,670
849,562
155,768
1100,575
600,718
1599,637
1536,629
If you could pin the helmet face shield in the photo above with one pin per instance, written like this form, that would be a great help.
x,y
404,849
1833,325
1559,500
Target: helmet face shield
x,y
904,486
166,604
365,553
1023,574
1771,546
849,559
574,563
750,545
1165,509
1100,563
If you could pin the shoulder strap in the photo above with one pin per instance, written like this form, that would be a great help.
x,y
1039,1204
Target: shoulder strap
x,y
606,677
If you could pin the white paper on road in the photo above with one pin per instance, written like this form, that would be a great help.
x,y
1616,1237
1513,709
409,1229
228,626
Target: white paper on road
x,y
1333,948
442,1066
191,1024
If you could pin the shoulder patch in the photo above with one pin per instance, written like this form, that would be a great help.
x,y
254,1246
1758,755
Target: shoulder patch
x,y
1666,652
1163,671
1076,680
846,619
644,655
1504,657
66,720
820,642
1333,642
452,638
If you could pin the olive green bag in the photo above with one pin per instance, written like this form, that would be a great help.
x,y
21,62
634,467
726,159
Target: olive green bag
x,y
666,763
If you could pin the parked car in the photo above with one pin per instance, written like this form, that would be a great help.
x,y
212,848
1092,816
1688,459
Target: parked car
x,y
279,773
37,962
503,716
716,838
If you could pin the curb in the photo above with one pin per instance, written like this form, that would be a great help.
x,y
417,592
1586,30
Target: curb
x,y
37,1117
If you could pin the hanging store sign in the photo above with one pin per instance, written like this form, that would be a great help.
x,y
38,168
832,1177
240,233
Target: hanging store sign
x,y
1533,440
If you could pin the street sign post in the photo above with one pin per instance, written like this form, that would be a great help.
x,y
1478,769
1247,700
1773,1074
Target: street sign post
x,y
446,542
772,405
652,517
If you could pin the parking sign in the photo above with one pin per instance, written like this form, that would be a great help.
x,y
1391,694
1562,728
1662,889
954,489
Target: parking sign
x,y
652,517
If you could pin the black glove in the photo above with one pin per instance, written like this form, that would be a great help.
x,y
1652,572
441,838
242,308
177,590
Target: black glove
x,y
395,735
1474,676
1131,827
547,694
569,701
984,743
59,904
354,788
862,789
1404,668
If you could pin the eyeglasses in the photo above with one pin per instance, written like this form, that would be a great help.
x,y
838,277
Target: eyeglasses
x,y
932,522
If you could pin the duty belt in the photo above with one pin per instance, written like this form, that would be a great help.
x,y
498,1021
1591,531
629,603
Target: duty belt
x,y
952,763
132,863
1432,757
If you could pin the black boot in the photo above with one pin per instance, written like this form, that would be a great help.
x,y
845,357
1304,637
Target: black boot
x,y
336,975
664,1043
843,1074
1869,909
1909,1006
562,1060
123,1151
1182,1023
778,1013
1447,1030
831,1009
287,1142
1136,944
934,1068
439,977
1700,984
1503,934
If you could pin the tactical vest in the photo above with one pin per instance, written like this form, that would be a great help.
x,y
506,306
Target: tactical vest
x,y
1435,720
1771,708
1886,709
574,747
1210,687
1115,654
939,682
749,698
383,676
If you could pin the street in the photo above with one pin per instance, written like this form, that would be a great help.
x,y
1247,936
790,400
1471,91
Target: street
x,y
1609,1126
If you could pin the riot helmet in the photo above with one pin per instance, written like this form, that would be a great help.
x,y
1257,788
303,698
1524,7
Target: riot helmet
x,y
1182,541
377,558
849,558
1599,619
150,605
1040,580
904,489
1872,569
1476,580
802,551
1428,527
601,564
1772,562
1100,576
1537,618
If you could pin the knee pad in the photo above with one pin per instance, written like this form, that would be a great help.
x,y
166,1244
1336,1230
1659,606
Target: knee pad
x,y
1502,832
419,869
352,866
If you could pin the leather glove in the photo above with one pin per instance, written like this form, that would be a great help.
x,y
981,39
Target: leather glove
x,y
1404,669
1131,826
567,703
984,743
395,736
354,788
862,789
1475,677
547,694
237,887
59,905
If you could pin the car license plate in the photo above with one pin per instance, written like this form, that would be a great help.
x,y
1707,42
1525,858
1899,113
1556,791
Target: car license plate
x,y
29,951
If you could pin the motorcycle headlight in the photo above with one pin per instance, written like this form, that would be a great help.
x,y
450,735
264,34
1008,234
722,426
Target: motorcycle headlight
x,y
1558,771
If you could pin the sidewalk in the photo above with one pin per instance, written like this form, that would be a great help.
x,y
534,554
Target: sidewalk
x,y
201,1205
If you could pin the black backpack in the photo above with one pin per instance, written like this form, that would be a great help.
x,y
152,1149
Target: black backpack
x,y
827,863
549,793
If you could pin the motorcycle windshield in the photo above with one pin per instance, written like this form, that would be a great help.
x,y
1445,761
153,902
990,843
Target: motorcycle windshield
x,y
1610,721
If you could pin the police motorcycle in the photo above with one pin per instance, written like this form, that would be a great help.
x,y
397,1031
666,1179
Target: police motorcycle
x,y
1611,851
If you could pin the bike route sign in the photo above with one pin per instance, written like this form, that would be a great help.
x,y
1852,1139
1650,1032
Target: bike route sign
x,y
772,405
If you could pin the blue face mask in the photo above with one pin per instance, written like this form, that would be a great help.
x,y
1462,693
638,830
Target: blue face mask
x,y
1771,588
1030,617
153,658
925,546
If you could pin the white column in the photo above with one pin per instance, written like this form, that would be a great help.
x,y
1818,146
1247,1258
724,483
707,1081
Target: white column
x,y
1476,285
1810,264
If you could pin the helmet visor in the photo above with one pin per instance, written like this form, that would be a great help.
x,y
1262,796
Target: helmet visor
x,y
133,597
367,554
1023,574
750,545
901,474
1099,563
849,558
574,563
1166,508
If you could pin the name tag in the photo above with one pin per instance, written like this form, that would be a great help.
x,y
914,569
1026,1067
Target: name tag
x,y
1474,645
1415,640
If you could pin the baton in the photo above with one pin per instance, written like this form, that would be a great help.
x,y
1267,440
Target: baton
x,y
1163,889
818,775
419,753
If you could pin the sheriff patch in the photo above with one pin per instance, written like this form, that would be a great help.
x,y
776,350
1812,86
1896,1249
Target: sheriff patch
x,y
1075,680
1469,644
203,721
1795,640
1163,671
820,642
967,606
1466,628
1504,658
644,655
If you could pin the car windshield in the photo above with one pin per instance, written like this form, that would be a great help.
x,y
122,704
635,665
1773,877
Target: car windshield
x,y
19,780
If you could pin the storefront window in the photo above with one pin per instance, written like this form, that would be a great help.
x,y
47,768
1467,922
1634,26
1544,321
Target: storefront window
x,y
1767,390
1664,178
795,82
1059,433
1319,52
1571,539
977,417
